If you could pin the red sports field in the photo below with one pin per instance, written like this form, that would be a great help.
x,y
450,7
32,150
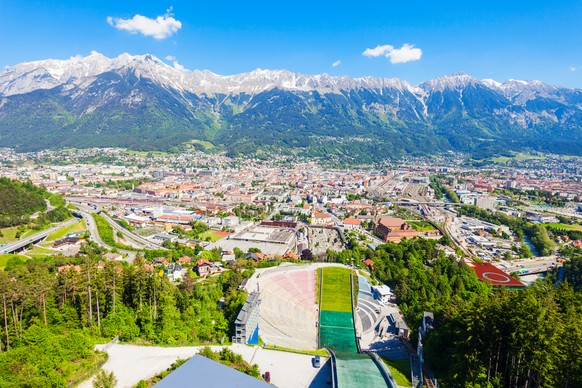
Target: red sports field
x,y
491,274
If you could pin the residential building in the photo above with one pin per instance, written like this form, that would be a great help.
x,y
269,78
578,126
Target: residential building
x,y
203,267
321,219
382,292
352,223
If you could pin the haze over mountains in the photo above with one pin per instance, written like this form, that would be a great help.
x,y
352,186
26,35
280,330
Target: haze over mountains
x,y
141,102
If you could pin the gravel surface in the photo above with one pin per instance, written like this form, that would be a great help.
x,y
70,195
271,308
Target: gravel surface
x,y
132,363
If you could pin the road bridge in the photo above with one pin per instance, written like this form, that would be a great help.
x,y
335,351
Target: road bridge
x,y
21,244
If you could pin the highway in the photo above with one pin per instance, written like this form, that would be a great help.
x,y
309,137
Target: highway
x,y
17,245
533,266
92,228
142,242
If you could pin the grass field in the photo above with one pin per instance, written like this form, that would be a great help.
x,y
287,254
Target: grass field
x,y
5,257
517,157
564,226
421,225
336,289
104,229
213,234
39,252
400,370
9,234
320,352
58,234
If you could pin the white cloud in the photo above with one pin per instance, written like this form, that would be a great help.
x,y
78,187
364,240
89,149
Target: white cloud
x,y
159,28
406,53
175,63
378,50
179,67
336,63
574,68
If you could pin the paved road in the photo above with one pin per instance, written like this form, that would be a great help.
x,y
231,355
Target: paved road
x,y
16,245
533,266
142,242
132,363
138,240
92,228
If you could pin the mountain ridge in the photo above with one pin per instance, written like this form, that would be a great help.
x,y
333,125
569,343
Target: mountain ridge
x,y
142,102
96,63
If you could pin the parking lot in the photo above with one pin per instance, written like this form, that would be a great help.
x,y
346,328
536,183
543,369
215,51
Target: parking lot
x,y
132,363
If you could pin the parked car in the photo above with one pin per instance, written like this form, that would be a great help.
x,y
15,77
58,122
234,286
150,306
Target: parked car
x,y
317,361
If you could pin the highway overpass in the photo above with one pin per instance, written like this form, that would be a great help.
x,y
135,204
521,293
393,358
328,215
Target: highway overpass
x,y
19,245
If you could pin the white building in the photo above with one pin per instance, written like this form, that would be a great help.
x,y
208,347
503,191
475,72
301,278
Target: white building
x,y
321,218
352,223
230,221
383,293
485,202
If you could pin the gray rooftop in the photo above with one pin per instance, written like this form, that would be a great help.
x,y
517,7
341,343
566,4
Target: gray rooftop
x,y
245,311
201,372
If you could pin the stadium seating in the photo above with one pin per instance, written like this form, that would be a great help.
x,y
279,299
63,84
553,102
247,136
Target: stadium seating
x,y
288,313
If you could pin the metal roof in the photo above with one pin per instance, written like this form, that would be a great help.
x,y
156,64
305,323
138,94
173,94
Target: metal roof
x,y
202,372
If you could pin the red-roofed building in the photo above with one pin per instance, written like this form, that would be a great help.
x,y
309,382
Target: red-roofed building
x,y
184,259
369,263
489,273
321,218
352,223
175,219
203,267
394,229
67,268
160,260
291,255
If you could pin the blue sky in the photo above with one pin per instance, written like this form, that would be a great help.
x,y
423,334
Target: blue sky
x,y
418,40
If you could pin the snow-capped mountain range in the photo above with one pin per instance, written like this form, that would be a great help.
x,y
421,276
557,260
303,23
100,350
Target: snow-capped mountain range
x,y
78,95
81,71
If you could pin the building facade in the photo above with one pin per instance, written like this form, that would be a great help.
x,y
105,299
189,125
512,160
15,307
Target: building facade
x,y
246,326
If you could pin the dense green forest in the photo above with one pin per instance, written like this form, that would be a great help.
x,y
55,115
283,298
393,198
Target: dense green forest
x,y
422,276
529,338
20,200
50,319
484,337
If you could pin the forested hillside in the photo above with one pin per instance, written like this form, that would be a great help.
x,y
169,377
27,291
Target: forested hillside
x,y
19,200
51,319
142,103
485,337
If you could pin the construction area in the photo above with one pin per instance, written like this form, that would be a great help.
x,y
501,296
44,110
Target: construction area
x,y
267,234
